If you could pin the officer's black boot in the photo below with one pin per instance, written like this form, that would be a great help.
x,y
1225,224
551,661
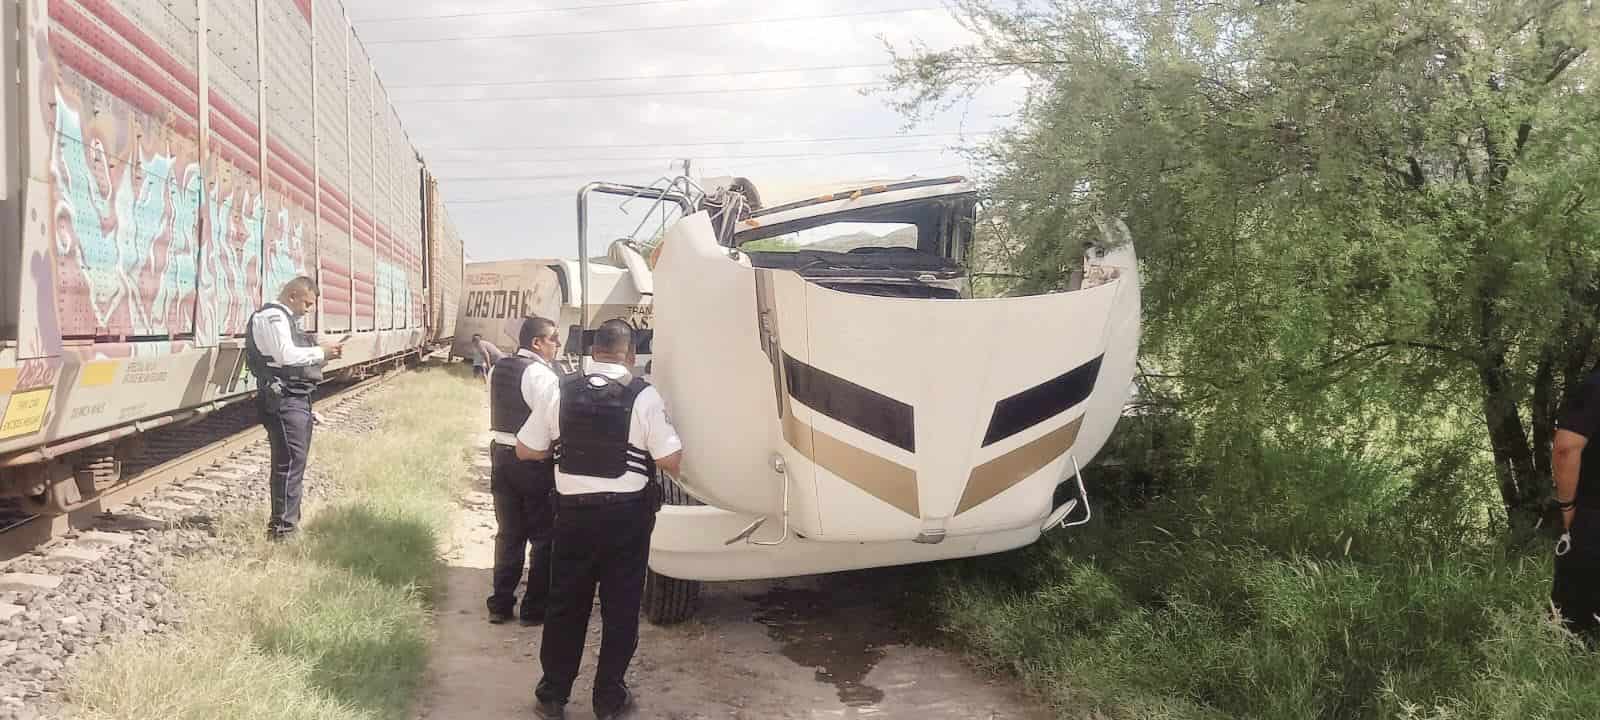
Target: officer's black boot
x,y
549,710
619,704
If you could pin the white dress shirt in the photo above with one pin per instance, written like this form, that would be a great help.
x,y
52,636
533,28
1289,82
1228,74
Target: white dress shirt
x,y
538,381
648,429
272,330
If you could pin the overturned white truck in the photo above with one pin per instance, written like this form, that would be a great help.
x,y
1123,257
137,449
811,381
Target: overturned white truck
x,y
844,401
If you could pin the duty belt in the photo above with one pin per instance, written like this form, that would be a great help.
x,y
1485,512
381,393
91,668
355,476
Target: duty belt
x,y
600,498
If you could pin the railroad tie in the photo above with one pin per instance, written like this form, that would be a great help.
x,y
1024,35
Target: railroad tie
x,y
28,582
71,555
209,488
104,539
163,506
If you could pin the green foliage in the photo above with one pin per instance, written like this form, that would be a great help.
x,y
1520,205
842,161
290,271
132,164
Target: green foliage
x,y
1368,235
1301,603
1378,215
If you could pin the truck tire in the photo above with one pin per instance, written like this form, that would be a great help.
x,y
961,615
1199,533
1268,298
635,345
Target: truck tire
x,y
667,600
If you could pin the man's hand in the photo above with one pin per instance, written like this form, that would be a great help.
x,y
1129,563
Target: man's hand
x,y
332,351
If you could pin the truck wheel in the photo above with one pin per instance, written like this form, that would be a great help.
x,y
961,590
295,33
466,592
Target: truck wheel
x,y
668,601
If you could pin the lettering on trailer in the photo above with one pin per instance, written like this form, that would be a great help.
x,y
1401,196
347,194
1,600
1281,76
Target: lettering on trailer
x,y
640,316
142,372
84,411
25,413
499,304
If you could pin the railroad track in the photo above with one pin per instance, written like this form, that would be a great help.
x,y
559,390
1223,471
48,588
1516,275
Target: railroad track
x,y
169,455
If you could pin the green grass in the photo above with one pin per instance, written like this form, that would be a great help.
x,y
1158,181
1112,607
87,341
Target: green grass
x,y
1312,593
334,626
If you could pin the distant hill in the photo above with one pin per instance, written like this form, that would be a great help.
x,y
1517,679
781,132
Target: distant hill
x,y
904,237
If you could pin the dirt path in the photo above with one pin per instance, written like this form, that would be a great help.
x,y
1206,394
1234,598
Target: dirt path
x,y
823,647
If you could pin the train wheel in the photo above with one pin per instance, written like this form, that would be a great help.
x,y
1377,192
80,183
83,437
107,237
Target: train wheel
x,y
667,600
50,488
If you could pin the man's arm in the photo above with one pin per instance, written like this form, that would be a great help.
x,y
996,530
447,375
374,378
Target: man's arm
x,y
661,438
275,339
542,427
527,453
1566,460
671,464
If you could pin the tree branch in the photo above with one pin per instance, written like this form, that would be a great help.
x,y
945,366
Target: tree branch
x,y
1564,61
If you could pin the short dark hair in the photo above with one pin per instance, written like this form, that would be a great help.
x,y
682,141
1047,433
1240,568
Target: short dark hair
x,y
476,336
533,328
613,336
302,283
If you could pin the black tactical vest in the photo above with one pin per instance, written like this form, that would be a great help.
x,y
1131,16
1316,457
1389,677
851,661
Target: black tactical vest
x,y
295,381
595,414
508,410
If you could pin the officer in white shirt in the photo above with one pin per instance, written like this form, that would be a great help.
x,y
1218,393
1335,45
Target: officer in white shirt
x,y
522,489
610,433
287,364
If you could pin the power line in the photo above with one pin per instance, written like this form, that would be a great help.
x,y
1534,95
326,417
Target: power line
x,y
485,178
529,11
653,28
703,143
652,93
931,172
558,176
592,158
623,78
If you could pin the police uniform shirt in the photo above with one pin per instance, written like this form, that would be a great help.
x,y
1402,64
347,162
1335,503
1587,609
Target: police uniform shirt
x,y
273,331
539,381
648,429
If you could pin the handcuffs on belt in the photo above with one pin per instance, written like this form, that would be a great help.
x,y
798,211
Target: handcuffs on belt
x,y
1564,543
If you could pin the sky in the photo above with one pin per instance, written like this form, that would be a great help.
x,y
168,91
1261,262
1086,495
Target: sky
x,y
510,169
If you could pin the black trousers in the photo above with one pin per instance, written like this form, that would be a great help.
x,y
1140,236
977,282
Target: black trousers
x,y
1576,589
288,425
606,546
524,513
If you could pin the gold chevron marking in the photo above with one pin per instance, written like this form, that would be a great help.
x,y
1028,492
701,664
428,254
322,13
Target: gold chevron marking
x,y
879,477
1004,472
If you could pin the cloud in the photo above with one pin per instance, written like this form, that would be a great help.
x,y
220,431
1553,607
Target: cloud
x,y
510,218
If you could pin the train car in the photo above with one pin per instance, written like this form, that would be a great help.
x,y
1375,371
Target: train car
x,y
167,167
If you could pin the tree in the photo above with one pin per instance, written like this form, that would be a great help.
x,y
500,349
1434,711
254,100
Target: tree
x,y
1351,215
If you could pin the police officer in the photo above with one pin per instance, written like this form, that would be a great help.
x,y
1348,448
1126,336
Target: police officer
x,y
521,488
1575,467
610,433
287,365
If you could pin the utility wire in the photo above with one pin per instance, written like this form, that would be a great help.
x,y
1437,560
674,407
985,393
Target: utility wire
x,y
528,11
624,78
593,158
653,28
637,170
652,93
703,143
488,178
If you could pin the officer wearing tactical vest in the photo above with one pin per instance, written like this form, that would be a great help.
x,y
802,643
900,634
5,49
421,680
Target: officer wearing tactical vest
x,y
521,488
610,432
287,365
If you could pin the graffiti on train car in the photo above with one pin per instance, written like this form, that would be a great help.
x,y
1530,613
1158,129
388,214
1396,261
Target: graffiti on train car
x,y
126,230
